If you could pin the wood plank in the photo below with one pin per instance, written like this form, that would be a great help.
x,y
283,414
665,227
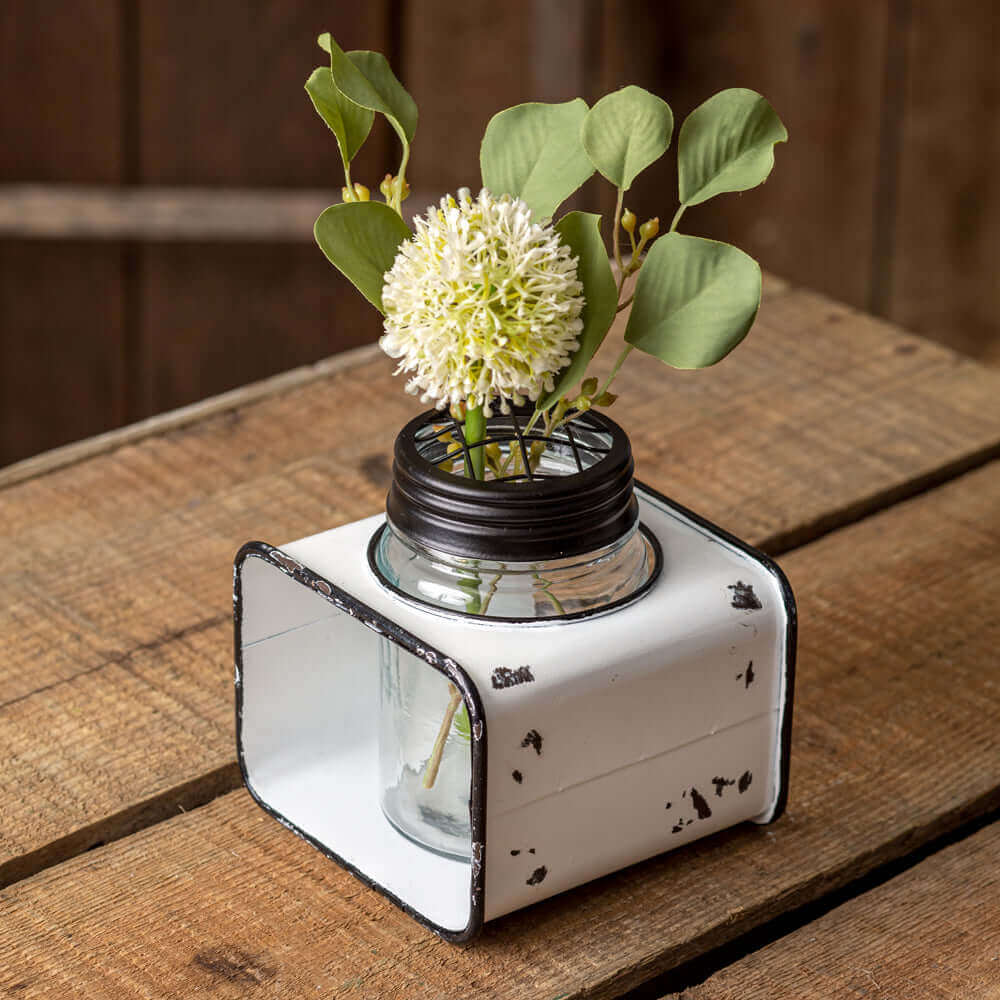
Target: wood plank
x,y
462,63
822,416
61,344
155,214
217,316
49,130
60,302
222,99
820,63
943,276
99,444
933,931
896,737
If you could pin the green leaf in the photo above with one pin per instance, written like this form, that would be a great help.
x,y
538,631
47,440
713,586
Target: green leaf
x,y
625,132
361,239
727,144
695,300
533,151
580,231
367,79
349,122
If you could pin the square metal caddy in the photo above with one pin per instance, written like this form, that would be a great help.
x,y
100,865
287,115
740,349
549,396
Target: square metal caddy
x,y
596,741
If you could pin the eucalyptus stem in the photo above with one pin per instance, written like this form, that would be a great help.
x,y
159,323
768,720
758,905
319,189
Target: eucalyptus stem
x,y
615,241
400,182
677,218
475,431
434,761
614,371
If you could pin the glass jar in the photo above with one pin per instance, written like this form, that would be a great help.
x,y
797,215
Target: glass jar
x,y
556,540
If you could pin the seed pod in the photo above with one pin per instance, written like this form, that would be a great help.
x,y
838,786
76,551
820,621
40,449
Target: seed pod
x,y
649,229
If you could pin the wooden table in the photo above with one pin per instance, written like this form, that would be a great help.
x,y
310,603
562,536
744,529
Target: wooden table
x,y
136,866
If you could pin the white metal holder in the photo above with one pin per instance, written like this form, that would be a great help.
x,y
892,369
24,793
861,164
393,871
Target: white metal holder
x,y
596,742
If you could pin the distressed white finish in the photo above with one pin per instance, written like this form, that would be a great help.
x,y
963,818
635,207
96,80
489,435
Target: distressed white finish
x,y
652,731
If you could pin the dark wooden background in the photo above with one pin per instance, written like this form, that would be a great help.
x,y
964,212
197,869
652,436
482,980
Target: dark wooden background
x,y
160,166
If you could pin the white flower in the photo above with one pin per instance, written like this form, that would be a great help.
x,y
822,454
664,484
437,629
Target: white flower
x,y
482,305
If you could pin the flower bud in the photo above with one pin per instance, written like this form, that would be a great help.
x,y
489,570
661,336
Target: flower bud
x,y
363,194
346,194
582,403
649,229
405,193
605,399
589,387
628,221
386,186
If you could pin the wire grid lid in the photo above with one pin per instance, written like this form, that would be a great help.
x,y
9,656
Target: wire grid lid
x,y
547,497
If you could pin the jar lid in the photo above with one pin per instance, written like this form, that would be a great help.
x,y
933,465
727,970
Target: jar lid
x,y
579,498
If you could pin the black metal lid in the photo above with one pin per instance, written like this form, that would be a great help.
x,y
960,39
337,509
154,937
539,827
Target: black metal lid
x,y
531,515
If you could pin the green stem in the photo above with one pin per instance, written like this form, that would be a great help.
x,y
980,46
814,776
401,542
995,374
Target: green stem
x,y
401,178
677,218
615,241
614,371
475,431
546,584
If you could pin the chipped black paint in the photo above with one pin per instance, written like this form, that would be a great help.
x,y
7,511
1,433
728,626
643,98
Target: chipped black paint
x,y
537,876
505,677
744,599
517,776
668,805
701,806
721,783
531,850
533,739
749,679
745,778
514,854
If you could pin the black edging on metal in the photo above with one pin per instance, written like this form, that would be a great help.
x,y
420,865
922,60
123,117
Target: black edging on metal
x,y
457,675
444,664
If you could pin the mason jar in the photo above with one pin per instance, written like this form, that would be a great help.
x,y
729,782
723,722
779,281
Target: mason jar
x,y
549,536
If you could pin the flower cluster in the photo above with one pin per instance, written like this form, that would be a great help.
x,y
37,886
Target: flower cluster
x,y
482,305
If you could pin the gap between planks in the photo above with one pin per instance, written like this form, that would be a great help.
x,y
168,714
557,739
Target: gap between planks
x,y
929,925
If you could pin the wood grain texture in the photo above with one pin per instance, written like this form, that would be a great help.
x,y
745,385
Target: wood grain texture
x,y
61,333
222,99
897,726
947,230
820,64
462,63
933,931
822,416
57,381
54,129
213,317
